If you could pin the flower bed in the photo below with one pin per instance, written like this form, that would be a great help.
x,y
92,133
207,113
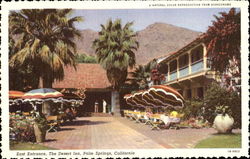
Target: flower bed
x,y
21,128
195,123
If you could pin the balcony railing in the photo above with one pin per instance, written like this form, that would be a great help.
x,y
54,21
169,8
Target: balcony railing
x,y
173,75
166,77
197,66
183,71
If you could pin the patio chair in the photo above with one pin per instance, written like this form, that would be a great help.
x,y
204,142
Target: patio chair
x,y
155,122
171,122
137,116
133,115
175,124
126,113
142,118
60,118
52,123
26,113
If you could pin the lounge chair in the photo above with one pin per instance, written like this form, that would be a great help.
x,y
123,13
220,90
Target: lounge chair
x,y
155,121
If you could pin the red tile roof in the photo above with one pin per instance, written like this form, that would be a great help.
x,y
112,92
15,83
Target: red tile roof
x,y
85,76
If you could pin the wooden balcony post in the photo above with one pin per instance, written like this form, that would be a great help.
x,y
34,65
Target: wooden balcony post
x,y
189,62
204,56
168,72
178,71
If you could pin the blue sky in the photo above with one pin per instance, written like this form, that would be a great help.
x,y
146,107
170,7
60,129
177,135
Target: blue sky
x,y
193,19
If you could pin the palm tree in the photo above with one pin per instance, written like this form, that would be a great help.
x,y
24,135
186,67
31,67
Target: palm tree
x,y
24,74
45,42
141,75
115,52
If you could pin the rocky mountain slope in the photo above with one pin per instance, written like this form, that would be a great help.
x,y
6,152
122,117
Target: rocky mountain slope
x,y
155,40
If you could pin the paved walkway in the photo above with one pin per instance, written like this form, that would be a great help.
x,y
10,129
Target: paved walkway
x,y
99,133
121,133
182,138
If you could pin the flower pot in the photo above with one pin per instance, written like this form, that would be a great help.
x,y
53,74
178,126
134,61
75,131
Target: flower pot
x,y
223,123
39,133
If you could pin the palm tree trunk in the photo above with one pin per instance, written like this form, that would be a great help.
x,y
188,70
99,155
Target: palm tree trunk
x,y
115,103
46,106
45,83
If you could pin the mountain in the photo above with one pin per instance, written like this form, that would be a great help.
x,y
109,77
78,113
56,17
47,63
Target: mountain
x,y
156,40
84,44
160,39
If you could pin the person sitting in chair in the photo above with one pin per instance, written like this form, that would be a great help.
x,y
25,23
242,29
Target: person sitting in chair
x,y
174,117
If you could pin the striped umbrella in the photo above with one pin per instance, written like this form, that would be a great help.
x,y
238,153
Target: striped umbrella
x,y
15,94
42,93
156,96
165,96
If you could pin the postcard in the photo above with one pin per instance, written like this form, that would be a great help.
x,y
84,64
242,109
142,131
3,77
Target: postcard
x,y
98,79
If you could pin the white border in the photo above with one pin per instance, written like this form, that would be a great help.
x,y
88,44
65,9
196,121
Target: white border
x,y
6,6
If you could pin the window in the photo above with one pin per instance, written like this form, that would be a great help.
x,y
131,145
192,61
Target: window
x,y
183,61
197,54
173,65
163,68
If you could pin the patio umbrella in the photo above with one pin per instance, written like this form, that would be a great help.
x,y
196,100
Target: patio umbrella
x,y
138,98
156,96
15,97
15,94
128,98
165,96
135,99
42,93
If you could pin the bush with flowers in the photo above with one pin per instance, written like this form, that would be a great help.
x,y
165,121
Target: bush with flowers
x,y
197,123
21,128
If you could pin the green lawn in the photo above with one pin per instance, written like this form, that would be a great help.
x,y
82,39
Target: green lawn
x,y
28,146
221,141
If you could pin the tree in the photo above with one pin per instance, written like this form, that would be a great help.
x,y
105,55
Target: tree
x,y
115,51
84,58
44,42
223,40
24,74
141,75
156,76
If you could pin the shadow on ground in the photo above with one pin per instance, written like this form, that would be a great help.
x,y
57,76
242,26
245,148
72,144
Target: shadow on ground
x,y
83,122
50,140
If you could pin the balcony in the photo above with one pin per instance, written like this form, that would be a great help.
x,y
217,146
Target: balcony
x,y
183,71
173,75
165,80
197,66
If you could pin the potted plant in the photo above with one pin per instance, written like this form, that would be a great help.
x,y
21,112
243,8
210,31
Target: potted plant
x,y
40,127
223,122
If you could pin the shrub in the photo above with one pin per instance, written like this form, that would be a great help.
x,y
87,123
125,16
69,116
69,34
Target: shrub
x,y
21,129
218,96
192,109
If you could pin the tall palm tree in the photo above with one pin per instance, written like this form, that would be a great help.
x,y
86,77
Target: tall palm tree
x,y
45,41
115,51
